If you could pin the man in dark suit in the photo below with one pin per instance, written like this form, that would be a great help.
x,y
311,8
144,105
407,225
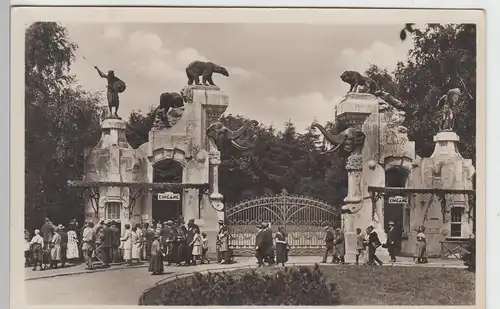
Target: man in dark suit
x,y
168,235
107,243
64,244
268,244
329,238
260,245
373,244
47,232
115,244
391,241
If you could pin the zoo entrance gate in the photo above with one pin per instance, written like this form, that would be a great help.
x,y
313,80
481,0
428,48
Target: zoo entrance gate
x,y
303,218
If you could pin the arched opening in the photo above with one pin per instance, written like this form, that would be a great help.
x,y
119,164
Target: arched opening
x,y
395,205
167,204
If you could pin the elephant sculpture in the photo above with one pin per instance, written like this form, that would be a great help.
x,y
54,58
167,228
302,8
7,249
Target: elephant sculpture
x,y
350,139
218,133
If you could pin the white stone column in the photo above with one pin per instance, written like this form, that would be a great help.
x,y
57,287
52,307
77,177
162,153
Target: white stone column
x,y
215,196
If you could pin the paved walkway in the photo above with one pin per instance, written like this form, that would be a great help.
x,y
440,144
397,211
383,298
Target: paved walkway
x,y
123,285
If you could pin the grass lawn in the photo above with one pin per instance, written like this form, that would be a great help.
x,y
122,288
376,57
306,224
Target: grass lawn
x,y
407,286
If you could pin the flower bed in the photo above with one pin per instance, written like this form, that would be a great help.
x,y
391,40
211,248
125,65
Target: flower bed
x,y
290,286
321,285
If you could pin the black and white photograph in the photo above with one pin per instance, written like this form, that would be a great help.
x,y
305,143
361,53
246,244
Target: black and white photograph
x,y
242,157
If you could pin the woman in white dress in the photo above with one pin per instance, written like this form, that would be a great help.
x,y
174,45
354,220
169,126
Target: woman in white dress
x,y
136,245
127,244
72,251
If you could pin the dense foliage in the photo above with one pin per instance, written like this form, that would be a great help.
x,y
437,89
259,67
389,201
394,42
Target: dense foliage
x,y
443,57
61,121
290,286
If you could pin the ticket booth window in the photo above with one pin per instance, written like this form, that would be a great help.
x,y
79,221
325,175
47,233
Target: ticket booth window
x,y
113,210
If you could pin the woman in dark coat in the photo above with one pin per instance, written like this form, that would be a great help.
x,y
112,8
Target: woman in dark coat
x,y
182,249
281,247
156,260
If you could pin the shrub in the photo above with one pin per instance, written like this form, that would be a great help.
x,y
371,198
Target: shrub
x,y
290,286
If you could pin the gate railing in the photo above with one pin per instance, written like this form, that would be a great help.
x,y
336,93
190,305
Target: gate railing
x,y
303,219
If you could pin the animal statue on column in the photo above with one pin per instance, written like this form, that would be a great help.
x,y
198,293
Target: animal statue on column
x,y
168,102
355,79
205,69
350,139
218,134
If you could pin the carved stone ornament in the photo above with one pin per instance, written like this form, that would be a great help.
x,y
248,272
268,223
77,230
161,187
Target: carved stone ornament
x,y
214,157
354,162
187,94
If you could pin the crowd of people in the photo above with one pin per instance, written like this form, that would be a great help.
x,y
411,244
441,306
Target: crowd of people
x,y
180,244
173,242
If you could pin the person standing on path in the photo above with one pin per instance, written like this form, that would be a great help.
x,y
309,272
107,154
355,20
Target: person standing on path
x,y
64,244
136,245
196,245
98,239
373,244
191,228
259,245
391,241
329,240
72,253
360,245
204,248
156,261
340,245
47,232
421,246
224,245
140,241
37,245
107,244
115,243
281,247
88,238
55,251
127,244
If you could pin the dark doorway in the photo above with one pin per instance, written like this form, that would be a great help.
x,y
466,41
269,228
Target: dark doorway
x,y
166,206
394,204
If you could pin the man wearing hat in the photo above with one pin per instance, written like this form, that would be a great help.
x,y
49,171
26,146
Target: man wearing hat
x,y
259,245
64,244
268,243
391,241
107,243
329,239
166,241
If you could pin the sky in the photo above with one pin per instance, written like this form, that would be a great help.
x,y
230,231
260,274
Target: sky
x,y
278,72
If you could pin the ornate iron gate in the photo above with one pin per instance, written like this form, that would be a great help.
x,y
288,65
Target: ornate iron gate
x,y
302,217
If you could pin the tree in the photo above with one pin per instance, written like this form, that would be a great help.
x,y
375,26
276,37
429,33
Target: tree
x,y
443,57
383,78
61,121
138,126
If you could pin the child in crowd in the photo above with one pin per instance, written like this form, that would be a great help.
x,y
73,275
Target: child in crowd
x,y
360,245
204,248
196,243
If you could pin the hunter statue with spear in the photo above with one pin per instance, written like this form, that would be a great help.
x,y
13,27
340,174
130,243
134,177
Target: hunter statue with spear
x,y
115,86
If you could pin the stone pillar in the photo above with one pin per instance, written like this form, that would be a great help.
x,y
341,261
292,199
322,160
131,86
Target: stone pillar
x,y
215,196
